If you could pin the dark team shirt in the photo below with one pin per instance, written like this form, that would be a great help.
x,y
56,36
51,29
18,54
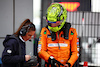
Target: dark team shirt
x,y
11,55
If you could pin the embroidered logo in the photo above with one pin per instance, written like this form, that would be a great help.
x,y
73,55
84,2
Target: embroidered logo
x,y
9,51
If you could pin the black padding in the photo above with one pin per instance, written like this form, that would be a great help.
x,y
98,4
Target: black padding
x,y
66,31
53,36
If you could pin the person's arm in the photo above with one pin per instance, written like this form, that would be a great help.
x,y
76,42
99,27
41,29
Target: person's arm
x,y
42,46
74,54
9,54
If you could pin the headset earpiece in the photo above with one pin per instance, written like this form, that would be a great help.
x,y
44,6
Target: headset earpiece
x,y
23,32
25,29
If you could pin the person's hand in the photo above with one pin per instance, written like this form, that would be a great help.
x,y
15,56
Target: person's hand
x,y
66,65
27,57
51,60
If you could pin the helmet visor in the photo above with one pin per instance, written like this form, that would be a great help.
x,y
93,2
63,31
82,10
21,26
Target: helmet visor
x,y
55,24
50,22
55,21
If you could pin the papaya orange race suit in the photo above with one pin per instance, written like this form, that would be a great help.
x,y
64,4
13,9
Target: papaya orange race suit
x,y
60,48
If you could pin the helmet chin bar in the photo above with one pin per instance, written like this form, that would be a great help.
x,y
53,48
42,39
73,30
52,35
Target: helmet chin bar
x,y
65,29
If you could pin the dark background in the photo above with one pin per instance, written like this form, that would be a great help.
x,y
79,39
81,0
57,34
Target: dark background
x,y
85,5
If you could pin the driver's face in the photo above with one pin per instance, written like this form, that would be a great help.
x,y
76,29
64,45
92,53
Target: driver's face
x,y
55,24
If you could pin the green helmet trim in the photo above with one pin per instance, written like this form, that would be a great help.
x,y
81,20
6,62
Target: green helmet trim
x,y
56,12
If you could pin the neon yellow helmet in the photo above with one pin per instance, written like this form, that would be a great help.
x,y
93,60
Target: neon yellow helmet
x,y
56,12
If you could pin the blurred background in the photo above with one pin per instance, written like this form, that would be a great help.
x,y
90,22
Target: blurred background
x,y
84,15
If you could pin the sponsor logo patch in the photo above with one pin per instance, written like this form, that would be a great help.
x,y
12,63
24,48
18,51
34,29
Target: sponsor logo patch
x,y
39,45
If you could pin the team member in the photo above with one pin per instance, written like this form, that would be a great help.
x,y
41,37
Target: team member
x,y
57,43
14,54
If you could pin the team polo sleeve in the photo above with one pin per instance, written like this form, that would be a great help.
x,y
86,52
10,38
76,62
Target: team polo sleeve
x,y
42,45
74,50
